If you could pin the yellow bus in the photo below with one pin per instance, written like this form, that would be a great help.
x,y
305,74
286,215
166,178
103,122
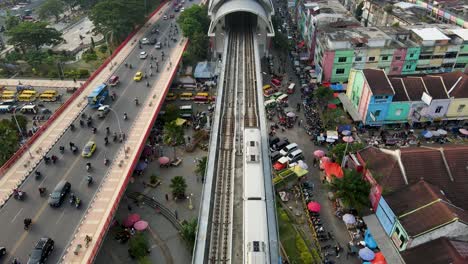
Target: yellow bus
x,y
31,92
48,96
186,96
26,98
8,95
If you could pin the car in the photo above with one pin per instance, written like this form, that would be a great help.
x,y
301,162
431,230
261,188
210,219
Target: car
x,y
165,17
2,251
41,251
58,194
280,144
171,16
158,45
171,97
182,9
138,76
153,41
288,149
295,156
143,55
145,41
88,149
275,156
103,110
176,9
281,164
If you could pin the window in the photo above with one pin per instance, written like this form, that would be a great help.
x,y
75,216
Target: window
x,y
450,55
252,158
384,58
460,65
377,113
371,58
252,143
460,108
408,67
358,59
425,57
438,109
398,112
395,69
339,71
411,55
397,57
342,59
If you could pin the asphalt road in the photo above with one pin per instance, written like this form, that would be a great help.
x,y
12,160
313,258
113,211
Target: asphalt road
x,y
60,223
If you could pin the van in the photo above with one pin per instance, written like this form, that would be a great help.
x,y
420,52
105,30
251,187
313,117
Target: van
x,y
269,104
29,109
276,82
291,88
186,96
5,109
26,98
281,144
275,156
288,149
282,98
295,156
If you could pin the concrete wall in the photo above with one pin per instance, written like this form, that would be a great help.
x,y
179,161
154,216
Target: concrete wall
x,y
395,108
431,111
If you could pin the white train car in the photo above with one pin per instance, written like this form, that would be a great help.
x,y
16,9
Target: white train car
x,y
255,219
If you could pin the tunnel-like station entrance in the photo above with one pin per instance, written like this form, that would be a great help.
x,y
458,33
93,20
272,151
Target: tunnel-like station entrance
x,y
240,13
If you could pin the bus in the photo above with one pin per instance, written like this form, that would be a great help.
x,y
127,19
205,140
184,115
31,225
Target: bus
x,y
8,95
186,96
201,98
98,96
186,111
48,96
26,97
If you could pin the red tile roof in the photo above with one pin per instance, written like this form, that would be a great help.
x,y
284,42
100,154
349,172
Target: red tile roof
x,y
400,93
461,89
439,251
451,78
435,87
378,82
414,87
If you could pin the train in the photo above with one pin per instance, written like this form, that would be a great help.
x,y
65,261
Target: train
x,y
256,249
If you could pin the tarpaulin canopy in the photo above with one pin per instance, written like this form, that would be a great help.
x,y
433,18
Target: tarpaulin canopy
x,y
338,87
366,254
333,169
205,70
299,171
301,44
180,121
164,160
332,106
131,220
344,127
140,225
332,134
379,258
370,242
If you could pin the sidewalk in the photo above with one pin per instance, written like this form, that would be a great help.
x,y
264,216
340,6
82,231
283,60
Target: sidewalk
x,y
26,163
104,203
39,83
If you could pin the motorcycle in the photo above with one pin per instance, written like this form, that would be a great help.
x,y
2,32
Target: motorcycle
x,y
125,116
72,199
19,195
94,130
88,166
77,203
106,162
89,180
42,191
74,149
38,175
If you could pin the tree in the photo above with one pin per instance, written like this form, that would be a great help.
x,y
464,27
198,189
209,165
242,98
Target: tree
x,y
323,95
173,135
194,20
200,168
171,113
178,187
51,8
11,21
117,16
70,4
35,58
22,122
189,232
352,189
358,12
338,150
138,246
9,140
29,34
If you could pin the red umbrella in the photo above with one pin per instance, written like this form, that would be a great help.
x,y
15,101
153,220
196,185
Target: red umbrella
x,y
131,220
313,207
164,160
335,95
319,153
325,159
379,259
140,225
332,106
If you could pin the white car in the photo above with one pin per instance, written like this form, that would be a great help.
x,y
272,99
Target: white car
x,y
145,41
143,55
182,9
158,45
165,17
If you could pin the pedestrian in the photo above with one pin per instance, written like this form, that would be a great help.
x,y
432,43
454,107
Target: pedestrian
x,y
167,197
188,138
329,235
129,207
337,250
74,80
176,215
300,122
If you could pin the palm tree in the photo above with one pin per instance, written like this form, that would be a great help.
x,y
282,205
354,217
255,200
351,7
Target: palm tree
x,y
178,187
189,231
200,169
352,189
173,135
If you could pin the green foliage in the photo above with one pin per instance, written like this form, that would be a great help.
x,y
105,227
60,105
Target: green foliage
x,y
178,187
172,111
13,56
22,121
9,139
138,246
337,151
144,260
70,3
51,8
153,179
352,189
117,16
89,55
306,257
173,134
11,21
28,34
35,58
103,48
189,232
200,168
333,117
358,12
323,95
83,73
194,20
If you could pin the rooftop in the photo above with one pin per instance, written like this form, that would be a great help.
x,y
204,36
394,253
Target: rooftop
x,y
400,93
378,82
439,251
430,34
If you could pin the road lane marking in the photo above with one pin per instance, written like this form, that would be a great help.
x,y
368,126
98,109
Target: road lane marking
x,y
60,217
19,212
38,214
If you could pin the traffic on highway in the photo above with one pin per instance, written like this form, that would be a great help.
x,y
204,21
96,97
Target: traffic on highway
x,y
45,210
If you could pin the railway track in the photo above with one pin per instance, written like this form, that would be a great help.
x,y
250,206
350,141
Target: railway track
x,y
240,90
